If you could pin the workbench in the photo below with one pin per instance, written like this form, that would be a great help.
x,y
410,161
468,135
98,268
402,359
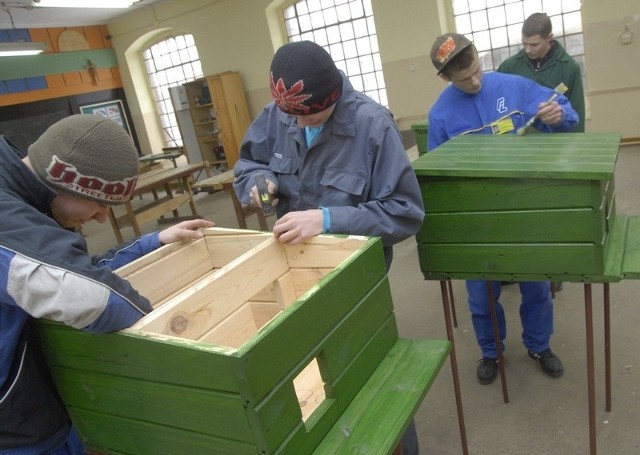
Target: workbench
x,y
224,181
152,181
152,158
528,208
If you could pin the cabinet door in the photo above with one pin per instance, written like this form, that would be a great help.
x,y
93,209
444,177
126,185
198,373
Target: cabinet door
x,y
233,117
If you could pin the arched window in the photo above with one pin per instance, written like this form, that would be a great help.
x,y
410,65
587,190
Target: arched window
x,y
171,62
495,27
345,28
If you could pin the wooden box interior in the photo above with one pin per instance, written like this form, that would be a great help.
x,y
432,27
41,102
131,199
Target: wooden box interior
x,y
222,289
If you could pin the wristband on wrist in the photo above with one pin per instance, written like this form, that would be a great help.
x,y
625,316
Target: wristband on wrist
x,y
326,220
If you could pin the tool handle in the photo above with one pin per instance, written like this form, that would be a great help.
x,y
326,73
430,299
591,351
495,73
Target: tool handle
x,y
263,193
534,118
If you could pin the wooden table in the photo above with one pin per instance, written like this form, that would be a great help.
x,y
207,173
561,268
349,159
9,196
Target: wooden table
x,y
150,159
153,181
224,181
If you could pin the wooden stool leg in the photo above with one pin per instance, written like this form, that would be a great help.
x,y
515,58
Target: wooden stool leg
x,y
228,187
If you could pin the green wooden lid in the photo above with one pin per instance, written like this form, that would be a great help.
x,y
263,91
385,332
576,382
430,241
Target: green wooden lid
x,y
584,156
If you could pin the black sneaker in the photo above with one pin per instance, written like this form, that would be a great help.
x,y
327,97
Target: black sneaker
x,y
557,286
550,363
487,370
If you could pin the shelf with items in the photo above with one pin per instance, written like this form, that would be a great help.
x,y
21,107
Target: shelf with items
x,y
220,117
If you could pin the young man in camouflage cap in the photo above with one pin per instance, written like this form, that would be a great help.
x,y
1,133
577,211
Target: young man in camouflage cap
x,y
78,168
475,102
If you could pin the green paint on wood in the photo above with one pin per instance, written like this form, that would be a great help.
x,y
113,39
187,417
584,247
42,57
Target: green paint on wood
x,y
529,207
193,397
381,411
549,156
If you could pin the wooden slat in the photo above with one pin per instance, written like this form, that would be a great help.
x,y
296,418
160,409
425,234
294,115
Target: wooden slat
x,y
552,156
285,291
378,416
193,313
631,267
159,403
369,331
468,261
310,319
451,194
227,246
146,357
325,251
133,437
525,226
170,272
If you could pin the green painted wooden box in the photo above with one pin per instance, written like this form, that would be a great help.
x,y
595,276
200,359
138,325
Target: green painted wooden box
x,y
253,347
518,207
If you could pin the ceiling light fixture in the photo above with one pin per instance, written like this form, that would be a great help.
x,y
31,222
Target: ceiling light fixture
x,y
83,3
21,48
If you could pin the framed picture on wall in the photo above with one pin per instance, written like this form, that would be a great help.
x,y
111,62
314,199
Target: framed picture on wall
x,y
113,110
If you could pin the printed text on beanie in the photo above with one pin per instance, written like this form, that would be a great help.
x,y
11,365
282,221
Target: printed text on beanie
x,y
88,156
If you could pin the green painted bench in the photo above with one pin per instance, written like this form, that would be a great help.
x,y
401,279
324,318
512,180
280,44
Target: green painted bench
x,y
253,347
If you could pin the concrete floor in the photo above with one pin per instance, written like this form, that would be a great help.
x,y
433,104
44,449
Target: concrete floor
x,y
544,415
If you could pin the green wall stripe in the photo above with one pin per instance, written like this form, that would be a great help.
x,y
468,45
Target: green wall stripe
x,y
61,62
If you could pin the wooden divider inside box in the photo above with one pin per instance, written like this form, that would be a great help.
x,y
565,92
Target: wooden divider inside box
x,y
222,289
173,268
226,304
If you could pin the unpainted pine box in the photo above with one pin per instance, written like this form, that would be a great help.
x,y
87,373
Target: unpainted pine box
x,y
538,206
253,347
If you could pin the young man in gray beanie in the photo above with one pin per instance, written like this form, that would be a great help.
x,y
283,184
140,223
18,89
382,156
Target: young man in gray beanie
x,y
78,168
333,159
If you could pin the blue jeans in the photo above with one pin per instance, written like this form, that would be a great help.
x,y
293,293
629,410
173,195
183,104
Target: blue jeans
x,y
409,440
65,442
536,315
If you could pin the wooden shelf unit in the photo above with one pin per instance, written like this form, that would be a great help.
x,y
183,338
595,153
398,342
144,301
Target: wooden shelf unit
x,y
220,115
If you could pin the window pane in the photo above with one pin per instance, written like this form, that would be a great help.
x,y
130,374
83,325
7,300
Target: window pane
x,y
574,44
347,30
572,23
496,17
499,37
463,24
495,26
552,7
479,20
460,7
482,41
531,6
169,63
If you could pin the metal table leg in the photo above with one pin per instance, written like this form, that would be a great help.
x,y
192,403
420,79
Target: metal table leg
x,y
444,289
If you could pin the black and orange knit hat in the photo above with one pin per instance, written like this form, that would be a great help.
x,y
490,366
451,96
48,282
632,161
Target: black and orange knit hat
x,y
88,156
304,79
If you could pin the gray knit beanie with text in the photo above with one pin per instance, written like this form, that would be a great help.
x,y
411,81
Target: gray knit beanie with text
x,y
88,156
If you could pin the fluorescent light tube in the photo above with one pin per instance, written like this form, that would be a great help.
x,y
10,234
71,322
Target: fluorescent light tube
x,y
83,3
21,48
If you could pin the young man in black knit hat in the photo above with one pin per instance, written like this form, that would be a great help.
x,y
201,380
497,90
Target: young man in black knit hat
x,y
333,159
79,167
